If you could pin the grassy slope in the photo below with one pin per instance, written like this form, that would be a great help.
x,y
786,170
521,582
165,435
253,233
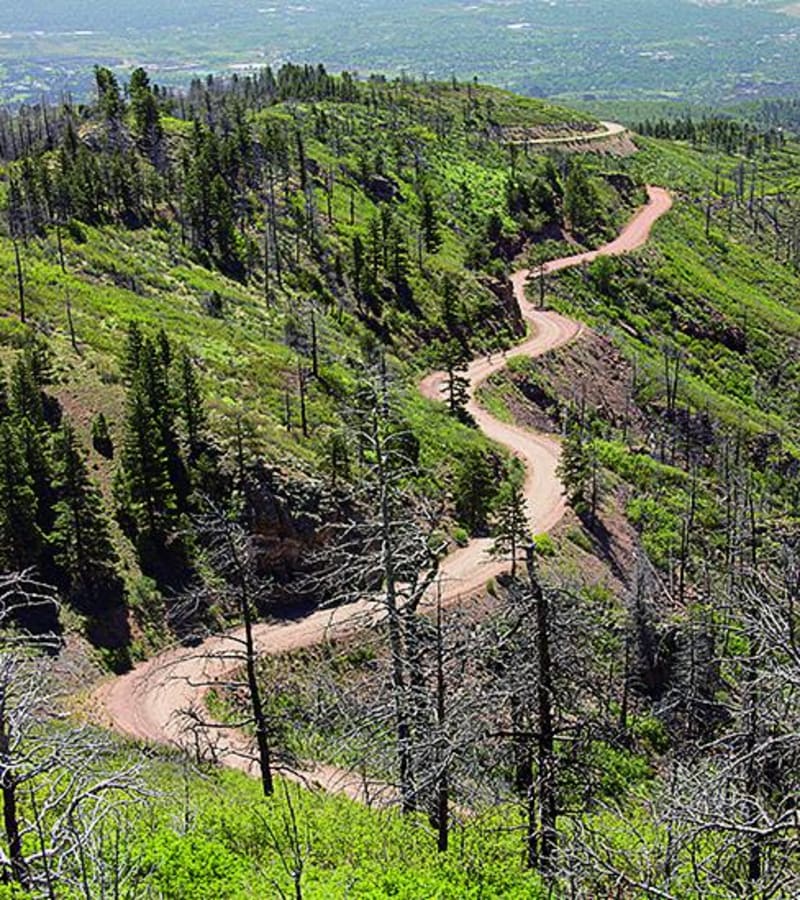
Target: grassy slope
x,y
117,276
195,846
230,851
728,280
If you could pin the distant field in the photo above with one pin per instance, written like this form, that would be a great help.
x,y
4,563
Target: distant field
x,y
609,49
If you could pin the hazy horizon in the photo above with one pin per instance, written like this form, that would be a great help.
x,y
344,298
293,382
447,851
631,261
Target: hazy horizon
x,y
610,48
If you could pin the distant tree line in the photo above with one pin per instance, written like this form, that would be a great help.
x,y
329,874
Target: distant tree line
x,y
728,135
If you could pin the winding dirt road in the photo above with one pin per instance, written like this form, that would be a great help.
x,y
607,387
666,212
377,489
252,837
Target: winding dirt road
x,y
147,703
603,133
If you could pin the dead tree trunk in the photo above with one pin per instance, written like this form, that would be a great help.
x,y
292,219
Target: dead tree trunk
x,y
11,824
545,741
399,690
262,735
20,281
442,780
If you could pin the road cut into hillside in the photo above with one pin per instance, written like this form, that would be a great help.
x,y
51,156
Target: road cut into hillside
x,y
151,702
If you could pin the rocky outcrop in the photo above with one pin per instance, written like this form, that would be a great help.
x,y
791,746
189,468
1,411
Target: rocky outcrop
x,y
291,517
503,290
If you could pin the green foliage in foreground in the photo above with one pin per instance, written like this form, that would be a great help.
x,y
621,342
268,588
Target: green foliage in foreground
x,y
223,840
211,835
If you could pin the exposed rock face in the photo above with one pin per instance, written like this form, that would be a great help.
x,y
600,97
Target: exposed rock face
x,y
289,516
590,372
383,190
708,324
623,184
503,289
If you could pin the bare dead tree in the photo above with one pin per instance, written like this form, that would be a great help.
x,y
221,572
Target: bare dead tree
x,y
291,838
384,555
722,817
750,800
387,552
546,667
235,587
61,780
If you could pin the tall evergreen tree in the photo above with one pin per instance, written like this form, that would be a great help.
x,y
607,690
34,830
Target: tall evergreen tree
x,y
34,444
191,407
223,221
21,539
144,489
579,469
429,222
454,361
133,351
5,408
511,530
146,115
474,491
108,93
153,379
580,200
25,392
83,547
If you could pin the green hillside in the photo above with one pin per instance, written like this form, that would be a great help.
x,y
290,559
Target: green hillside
x,y
216,310
401,244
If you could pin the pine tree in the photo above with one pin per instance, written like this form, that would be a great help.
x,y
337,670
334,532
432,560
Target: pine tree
x,y
133,351
579,470
39,358
191,407
152,485
398,256
5,408
153,378
80,532
474,491
34,444
580,200
25,392
146,115
21,540
511,530
17,230
429,222
224,227
574,469
454,361
144,489
358,265
109,97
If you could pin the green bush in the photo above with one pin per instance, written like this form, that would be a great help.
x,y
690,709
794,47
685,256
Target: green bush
x,y
545,545
461,536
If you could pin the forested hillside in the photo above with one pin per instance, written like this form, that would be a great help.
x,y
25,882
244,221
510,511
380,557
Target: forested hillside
x,y
218,309
212,285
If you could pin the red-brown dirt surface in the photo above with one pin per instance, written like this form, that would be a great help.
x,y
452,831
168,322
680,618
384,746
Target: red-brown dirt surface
x,y
147,702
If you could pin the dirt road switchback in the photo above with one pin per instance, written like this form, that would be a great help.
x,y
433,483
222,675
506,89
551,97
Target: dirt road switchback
x,y
149,702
